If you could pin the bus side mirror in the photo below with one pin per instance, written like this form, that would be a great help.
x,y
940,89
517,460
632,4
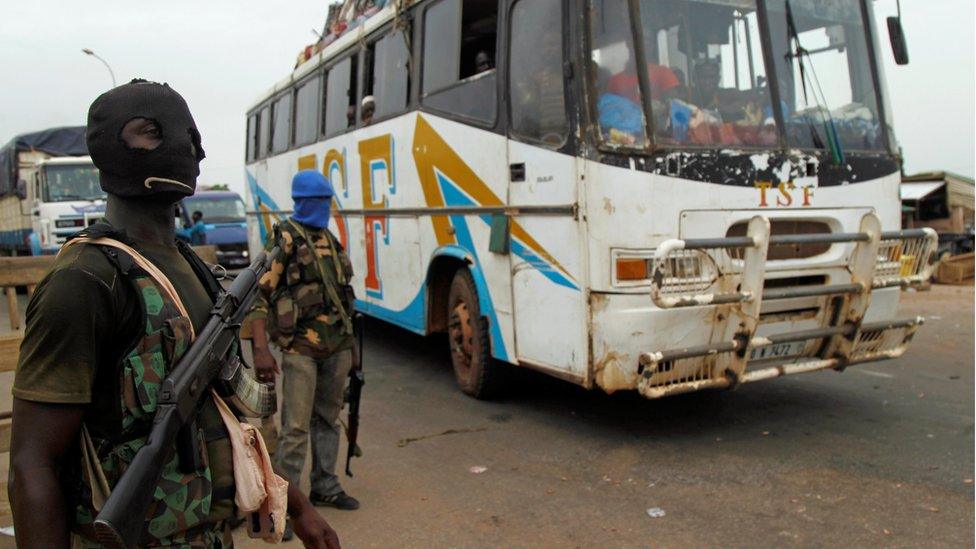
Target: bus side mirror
x,y
21,190
897,35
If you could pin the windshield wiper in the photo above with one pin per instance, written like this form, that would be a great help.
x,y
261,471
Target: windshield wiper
x,y
798,52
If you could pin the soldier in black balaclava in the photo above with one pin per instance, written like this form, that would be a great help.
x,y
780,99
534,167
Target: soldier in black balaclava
x,y
145,143
100,335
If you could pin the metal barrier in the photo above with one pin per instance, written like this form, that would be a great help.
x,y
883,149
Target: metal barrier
x,y
730,273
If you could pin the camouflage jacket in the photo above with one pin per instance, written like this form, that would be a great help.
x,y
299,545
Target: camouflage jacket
x,y
306,296
180,514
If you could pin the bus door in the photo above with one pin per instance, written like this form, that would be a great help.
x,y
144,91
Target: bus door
x,y
545,239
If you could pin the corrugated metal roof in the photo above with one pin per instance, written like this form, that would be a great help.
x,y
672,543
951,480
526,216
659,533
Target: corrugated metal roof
x,y
917,191
937,176
959,188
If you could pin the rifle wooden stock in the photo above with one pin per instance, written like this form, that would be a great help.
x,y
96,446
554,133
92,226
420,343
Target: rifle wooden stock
x,y
120,522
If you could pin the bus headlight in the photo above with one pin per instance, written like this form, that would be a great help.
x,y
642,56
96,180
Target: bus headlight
x,y
681,273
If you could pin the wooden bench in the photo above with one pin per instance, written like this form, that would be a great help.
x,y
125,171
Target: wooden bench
x,y
16,272
9,351
21,272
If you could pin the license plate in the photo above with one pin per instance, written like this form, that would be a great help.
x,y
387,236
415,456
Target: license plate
x,y
779,350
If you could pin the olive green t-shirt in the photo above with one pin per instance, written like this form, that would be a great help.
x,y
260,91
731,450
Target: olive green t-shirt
x,y
82,320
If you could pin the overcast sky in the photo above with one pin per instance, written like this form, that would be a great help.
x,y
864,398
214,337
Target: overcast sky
x,y
222,54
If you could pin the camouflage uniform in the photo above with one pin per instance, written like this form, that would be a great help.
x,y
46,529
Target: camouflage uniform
x,y
181,512
307,302
311,316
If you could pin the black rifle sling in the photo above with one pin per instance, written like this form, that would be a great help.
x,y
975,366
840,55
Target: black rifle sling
x,y
200,268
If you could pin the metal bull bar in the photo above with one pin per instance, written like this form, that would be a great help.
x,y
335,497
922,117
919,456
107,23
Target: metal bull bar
x,y
730,273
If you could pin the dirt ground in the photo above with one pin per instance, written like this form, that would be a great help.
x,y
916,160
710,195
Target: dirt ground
x,y
879,455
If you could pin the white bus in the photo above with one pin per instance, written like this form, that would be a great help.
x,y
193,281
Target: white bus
x,y
730,214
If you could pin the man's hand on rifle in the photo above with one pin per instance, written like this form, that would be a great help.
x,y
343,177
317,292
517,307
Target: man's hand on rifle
x,y
265,366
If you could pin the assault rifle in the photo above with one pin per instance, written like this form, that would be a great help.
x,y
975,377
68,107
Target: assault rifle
x,y
210,360
353,396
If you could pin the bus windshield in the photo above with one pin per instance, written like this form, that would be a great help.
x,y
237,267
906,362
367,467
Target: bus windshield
x,y
707,75
229,209
822,61
65,183
705,72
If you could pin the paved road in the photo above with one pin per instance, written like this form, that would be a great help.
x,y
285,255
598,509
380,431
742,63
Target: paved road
x,y
882,454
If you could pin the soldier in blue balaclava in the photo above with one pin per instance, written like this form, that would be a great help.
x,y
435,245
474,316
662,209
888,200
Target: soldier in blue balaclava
x,y
312,194
305,307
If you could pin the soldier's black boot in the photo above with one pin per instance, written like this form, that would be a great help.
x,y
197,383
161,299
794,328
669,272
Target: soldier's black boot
x,y
340,500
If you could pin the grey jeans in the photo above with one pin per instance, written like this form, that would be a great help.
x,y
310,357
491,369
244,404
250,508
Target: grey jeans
x,y
311,399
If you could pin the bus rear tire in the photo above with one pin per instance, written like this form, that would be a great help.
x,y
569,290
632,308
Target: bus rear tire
x,y
477,374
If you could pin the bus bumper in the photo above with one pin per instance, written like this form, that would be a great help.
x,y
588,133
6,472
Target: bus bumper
x,y
714,324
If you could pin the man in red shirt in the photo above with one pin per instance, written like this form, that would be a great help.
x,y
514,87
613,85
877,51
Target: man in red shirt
x,y
662,79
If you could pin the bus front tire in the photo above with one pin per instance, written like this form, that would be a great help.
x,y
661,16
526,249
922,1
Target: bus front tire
x,y
477,374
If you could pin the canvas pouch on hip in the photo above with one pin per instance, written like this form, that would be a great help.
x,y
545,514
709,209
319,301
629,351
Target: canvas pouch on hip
x,y
260,493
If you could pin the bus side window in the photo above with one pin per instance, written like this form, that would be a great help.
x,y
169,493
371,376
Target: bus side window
x,y
459,58
387,76
340,97
536,88
264,132
281,123
307,111
252,134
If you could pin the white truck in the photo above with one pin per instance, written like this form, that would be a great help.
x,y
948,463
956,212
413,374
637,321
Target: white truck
x,y
49,189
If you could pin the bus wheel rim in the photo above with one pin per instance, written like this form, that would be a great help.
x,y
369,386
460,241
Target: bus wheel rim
x,y
462,334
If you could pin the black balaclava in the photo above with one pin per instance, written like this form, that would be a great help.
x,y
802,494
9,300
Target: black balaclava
x,y
166,173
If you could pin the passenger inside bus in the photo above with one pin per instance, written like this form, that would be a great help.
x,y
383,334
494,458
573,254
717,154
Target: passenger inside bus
x,y
732,105
482,62
620,107
453,81
369,107
479,20
705,74
662,79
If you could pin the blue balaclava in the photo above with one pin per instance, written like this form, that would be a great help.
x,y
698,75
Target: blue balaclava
x,y
312,194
